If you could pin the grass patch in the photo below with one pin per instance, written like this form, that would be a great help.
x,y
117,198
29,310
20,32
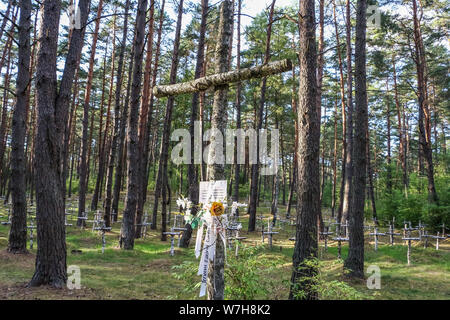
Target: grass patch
x,y
149,272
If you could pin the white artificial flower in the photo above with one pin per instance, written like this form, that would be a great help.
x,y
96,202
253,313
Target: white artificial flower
x,y
180,203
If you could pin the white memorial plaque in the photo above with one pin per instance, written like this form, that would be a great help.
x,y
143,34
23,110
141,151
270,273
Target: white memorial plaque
x,y
211,191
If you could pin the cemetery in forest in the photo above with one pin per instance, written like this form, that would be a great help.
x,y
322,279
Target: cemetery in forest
x,y
224,150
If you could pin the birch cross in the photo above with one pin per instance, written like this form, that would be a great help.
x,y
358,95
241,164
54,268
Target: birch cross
x,y
225,78
220,82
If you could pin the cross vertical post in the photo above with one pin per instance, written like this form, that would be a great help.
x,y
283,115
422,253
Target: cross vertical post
x,y
220,82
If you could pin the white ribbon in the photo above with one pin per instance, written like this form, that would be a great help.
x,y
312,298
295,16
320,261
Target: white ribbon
x,y
204,261
198,242
215,229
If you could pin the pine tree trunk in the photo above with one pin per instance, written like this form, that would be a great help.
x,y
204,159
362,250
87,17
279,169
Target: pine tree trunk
x,y
344,121
5,123
333,193
162,179
127,232
388,159
117,101
17,242
102,137
253,202
370,178
5,18
85,141
72,63
308,182
121,152
348,176
401,132
294,161
192,174
355,260
320,66
238,106
425,145
51,252
145,119
152,101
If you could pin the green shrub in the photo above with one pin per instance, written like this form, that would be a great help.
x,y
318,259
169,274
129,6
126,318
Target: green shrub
x,y
243,275
325,289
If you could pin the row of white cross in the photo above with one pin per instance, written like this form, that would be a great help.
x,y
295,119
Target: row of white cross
x,y
98,224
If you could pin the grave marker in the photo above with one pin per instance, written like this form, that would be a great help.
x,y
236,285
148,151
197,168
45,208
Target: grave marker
x,y
437,240
269,233
426,236
339,238
172,241
407,231
31,227
103,230
325,235
376,234
391,233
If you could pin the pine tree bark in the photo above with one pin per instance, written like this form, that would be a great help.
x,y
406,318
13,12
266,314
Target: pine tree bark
x,y
388,159
370,178
100,146
5,18
104,150
344,121
192,173
121,152
425,145
308,182
127,232
253,201
84,161
348,176
144,121
117,114
65,90
151,148
50,267
320,66
401,131
294,174
17,241
5,123
333,193
162,179
238,106
355,260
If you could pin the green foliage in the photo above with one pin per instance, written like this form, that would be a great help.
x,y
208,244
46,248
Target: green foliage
x,y
243,274
415,207
187,272
317,283
338,290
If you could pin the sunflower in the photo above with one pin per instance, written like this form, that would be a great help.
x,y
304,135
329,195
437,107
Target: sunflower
x,y
217,209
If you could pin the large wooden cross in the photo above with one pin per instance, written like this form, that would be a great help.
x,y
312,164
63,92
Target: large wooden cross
x,y
220,81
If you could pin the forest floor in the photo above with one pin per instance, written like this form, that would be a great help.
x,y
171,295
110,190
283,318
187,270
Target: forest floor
x,y
149,272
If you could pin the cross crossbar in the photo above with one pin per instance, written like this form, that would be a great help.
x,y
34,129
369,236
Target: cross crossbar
x,y
202,84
